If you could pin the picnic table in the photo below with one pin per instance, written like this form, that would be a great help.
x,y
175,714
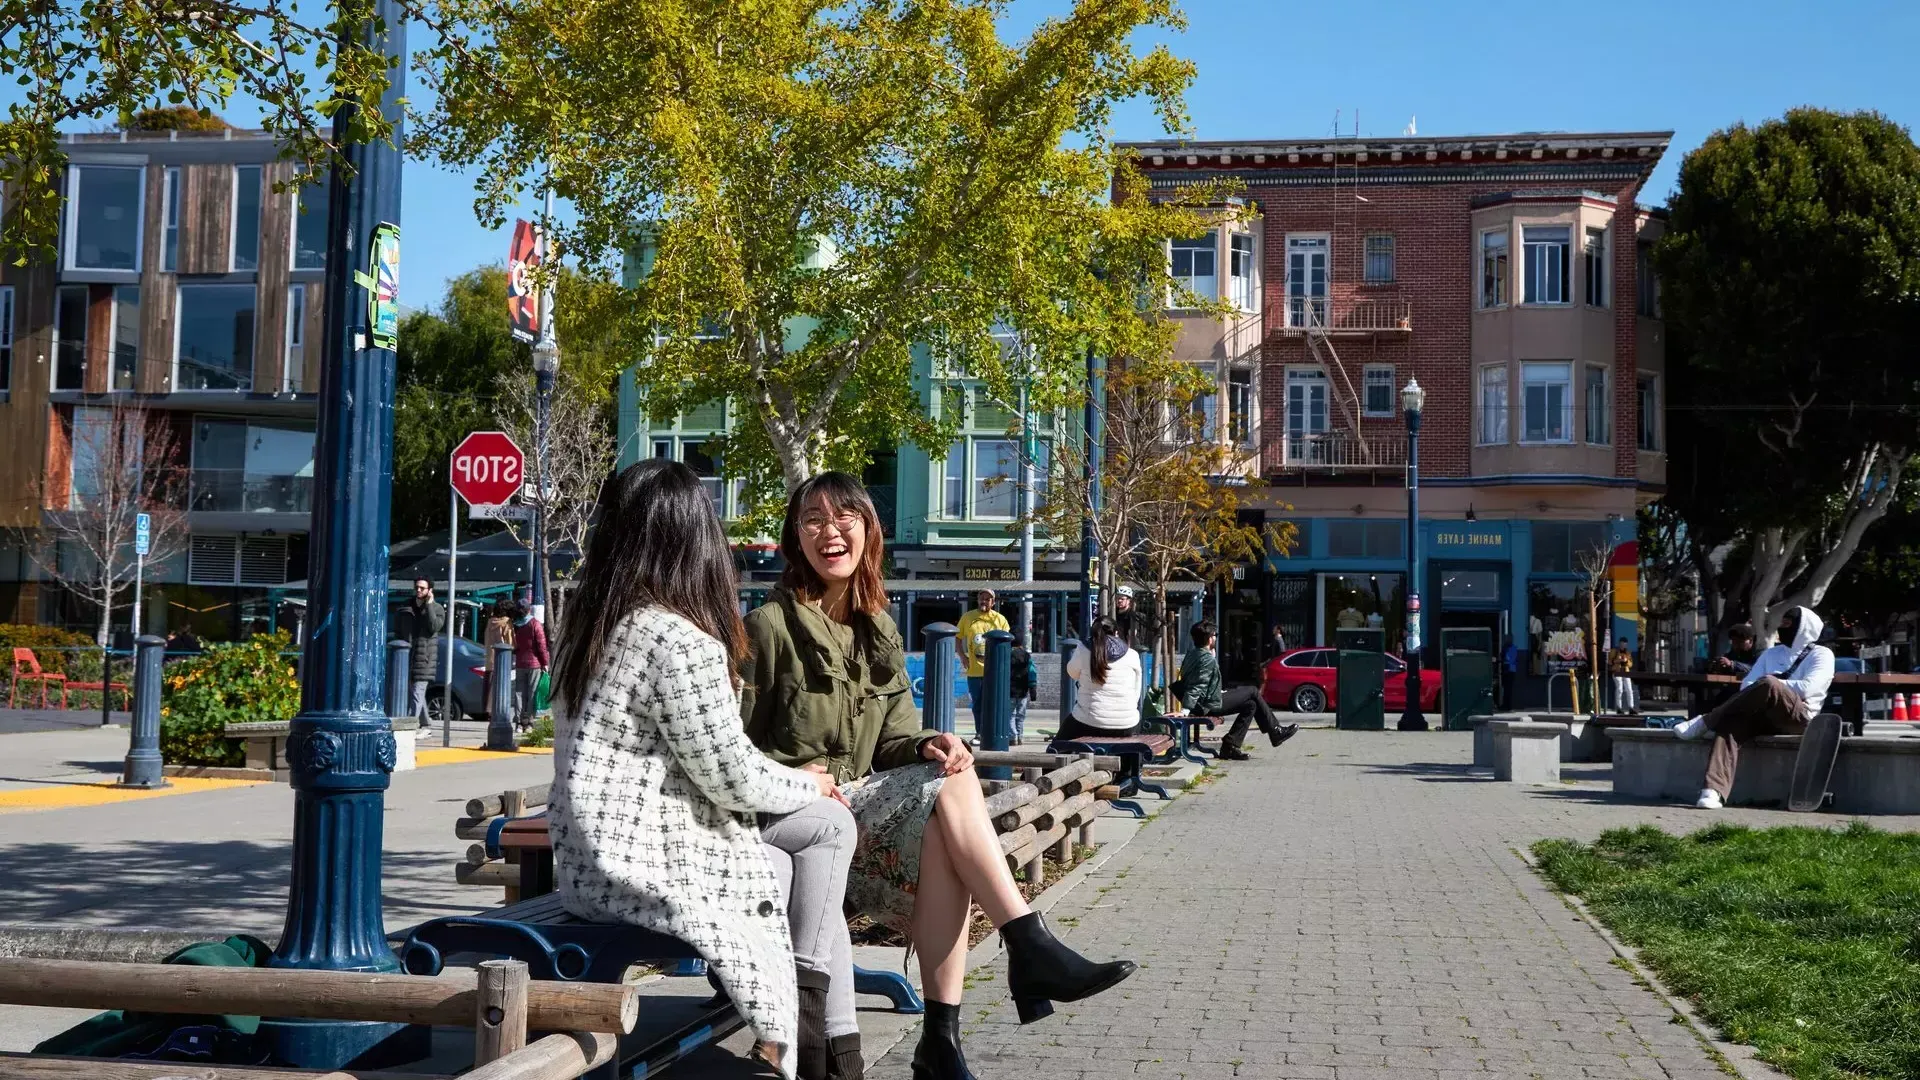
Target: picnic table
x,y
1852,688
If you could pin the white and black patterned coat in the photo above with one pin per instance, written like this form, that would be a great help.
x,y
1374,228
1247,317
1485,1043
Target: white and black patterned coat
x,y
654,787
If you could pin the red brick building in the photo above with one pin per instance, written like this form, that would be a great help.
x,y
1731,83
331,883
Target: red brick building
x,y
1508,274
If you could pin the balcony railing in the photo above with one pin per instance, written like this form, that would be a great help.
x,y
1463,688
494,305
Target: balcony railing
x,y
1339,450
234,490
1358,315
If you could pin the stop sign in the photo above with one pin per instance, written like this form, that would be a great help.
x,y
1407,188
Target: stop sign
x,y
487,468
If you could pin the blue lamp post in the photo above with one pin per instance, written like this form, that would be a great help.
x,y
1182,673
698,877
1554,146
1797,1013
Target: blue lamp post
x,y
341,748
1412,400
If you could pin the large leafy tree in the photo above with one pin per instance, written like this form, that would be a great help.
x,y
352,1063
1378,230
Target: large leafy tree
x,y
89,61
816,190
1791,285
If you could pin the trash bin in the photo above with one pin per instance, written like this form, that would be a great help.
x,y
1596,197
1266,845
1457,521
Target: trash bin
x,y
1359,680
1469,671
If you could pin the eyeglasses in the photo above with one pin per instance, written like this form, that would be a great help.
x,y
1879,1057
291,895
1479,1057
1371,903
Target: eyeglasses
x,y
815,524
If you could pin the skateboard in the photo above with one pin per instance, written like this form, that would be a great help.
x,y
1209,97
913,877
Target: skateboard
x,y
1813,765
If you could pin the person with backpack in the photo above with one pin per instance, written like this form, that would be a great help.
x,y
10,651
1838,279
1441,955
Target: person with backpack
x,y
1783,691
1023,684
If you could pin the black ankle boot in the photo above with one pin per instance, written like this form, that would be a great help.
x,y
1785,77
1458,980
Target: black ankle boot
x,y
810,1042
843,1058
938,1056
1041,970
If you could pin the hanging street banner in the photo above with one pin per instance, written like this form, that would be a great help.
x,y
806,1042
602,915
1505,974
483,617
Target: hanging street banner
x,y
382,282
523,299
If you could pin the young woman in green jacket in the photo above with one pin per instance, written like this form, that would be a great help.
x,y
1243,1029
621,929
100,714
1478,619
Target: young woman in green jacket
x,y
826,685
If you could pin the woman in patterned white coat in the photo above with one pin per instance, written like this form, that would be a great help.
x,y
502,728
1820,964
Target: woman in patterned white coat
x,y
655,783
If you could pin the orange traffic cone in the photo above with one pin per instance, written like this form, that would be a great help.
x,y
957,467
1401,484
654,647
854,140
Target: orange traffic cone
x,y
1900,709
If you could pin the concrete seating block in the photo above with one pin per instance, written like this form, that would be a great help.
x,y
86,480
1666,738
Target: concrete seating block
x,y
1874,774
1526,751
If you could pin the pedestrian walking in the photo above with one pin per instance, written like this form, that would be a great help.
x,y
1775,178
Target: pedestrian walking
x,y
530,661
974,627
1023,683
426,619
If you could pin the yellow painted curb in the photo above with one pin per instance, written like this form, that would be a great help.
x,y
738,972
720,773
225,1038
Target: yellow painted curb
x,y
460,755
67,796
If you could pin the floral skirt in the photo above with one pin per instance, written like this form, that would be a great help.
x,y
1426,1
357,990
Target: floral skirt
x,y
891,808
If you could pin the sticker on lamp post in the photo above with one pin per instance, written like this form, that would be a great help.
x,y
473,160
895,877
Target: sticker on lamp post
x,y
382,282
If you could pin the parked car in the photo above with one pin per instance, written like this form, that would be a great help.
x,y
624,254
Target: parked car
x,y
1303,680
469,682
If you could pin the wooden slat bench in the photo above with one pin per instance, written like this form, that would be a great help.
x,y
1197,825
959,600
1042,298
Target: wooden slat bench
x,y
1134,752
1185,728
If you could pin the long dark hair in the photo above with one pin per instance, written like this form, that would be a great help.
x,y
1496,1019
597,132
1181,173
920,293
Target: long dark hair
x,y
1103,629
843,494
656,542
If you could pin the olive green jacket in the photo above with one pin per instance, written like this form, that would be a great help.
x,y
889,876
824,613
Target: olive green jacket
x,y
806,701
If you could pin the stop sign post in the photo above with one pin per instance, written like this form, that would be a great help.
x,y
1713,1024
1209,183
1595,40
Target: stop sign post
x,y
487,468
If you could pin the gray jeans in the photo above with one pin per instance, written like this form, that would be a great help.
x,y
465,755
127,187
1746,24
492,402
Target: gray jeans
x,y
810,850
419,694
526,690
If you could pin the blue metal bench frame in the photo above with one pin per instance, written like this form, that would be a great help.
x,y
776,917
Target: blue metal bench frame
x,y
1133,757
1185,729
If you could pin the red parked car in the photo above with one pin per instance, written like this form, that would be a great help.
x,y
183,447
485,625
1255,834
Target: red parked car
x,y
1303,680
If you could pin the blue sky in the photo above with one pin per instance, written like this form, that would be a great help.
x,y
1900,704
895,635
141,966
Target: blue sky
x,y
1278,70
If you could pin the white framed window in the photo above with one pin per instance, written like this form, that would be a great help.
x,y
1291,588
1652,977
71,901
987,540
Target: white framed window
x,y
1377,390
1380,259
245,233
1194,266
1206,418
1242,267
1599,406
1240,406
1493,268
293,372
1549,251
213,337
1308,259
70,337
1649,412
663,449
953,482
1546,402
1595,257
126,335
996,478
1493,405
309,232
1307,414
105,208
170,221
699,457
6,340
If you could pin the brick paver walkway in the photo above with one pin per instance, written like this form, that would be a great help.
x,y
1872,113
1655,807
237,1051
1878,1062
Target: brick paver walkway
x,y
1347,908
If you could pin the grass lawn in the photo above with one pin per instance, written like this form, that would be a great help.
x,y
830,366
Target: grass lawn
x,y
1804,943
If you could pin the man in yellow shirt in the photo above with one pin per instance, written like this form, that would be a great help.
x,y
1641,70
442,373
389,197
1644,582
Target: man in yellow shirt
x,y
974,627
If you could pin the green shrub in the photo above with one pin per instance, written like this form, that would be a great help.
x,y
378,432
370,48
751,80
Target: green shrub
x,y
53,648
541,734
248,682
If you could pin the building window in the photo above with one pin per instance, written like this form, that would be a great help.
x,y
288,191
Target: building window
x,y
706,465
1379,390
1560,547
1599,406
1493,269
1646,282
1649,412
213,346
310,226
1206,415
1493,405
1194,269
293,373
1307,416
996,477
1380,259
1241,265
1240,405
1549,257
70,338
246,217
953,488
170,222
1546,402
1596,260
126,335
103,217
1307,280
106,457
6,339
254,467
1366,540
663,449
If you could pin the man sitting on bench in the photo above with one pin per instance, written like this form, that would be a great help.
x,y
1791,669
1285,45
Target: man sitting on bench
x,y
1199,690
1781,692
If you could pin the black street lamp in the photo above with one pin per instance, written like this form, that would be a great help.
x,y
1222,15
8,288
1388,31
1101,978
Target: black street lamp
x,y
1413,399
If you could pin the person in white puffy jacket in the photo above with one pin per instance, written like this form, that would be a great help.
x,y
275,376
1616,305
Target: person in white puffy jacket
x,y
1106,673
1781,692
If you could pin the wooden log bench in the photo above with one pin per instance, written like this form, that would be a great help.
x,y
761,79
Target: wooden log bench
x,y
1874,774
499,1001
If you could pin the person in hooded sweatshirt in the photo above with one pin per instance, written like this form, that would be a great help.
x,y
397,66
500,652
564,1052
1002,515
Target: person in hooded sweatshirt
x,y
1107,673
1780,693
